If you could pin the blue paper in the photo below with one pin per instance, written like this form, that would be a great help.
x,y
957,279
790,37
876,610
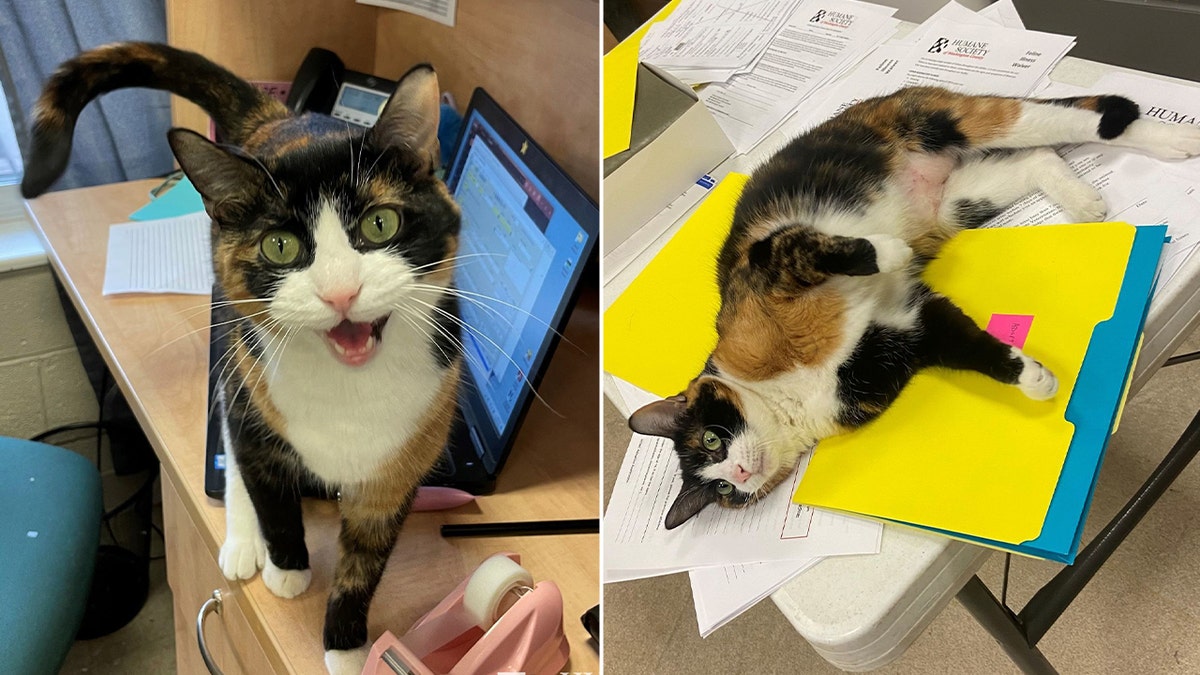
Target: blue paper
x,y
179,200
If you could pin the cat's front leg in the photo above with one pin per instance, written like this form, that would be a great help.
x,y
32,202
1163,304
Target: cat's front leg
x,y
949,338
371,521
244,550
798,257
276,502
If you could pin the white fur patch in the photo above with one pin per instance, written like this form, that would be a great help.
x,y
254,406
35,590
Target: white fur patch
x,y
891,253
1036,381
244,550
346,661
286,583
1165,141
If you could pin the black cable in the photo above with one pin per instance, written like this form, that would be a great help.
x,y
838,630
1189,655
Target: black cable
x,y
77,426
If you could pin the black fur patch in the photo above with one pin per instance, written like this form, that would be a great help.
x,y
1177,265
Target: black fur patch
x,y
707,410
951,339
882,364
938,131
1116,114
346,619
971,213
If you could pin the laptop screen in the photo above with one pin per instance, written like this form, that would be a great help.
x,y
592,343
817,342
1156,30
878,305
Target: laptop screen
x,y
527,232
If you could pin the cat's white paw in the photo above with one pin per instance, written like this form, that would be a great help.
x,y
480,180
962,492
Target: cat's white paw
x,y
1081,202
242,554
286,583
346,661
891,253
1036,381
1165,141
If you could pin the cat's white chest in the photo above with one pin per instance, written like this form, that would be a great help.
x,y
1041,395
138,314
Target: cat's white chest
x,y
345,421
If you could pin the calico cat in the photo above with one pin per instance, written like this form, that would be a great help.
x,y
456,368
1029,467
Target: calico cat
x,y
824,318
332,248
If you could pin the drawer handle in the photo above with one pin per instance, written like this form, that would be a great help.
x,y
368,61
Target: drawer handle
x,y
213,604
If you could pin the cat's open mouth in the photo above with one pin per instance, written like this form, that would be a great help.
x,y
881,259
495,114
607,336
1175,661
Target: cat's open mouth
x,y
354,342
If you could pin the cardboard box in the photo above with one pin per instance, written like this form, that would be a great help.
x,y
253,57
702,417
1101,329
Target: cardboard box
x,y
675,141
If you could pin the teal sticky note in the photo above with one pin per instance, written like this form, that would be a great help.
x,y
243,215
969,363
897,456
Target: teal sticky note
x,y
177,201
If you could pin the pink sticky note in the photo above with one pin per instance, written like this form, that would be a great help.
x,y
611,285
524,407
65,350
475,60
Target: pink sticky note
x,y
1011,329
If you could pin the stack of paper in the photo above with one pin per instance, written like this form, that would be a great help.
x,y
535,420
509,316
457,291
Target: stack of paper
x,y
821,40
712,40
721,548
956,49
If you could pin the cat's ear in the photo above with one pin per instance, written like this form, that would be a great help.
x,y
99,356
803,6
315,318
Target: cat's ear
x,y
410,118
660,418
224,179
689,502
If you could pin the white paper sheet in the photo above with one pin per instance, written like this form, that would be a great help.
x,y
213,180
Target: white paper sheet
x,y
819,41
441,11
638,545
1003,13
172,255
707,40
720,594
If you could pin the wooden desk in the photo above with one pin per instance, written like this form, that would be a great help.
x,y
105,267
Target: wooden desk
x,y
157,349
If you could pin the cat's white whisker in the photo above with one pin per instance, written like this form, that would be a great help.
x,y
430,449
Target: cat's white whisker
x,y
458,257
468,295
500,349
462,348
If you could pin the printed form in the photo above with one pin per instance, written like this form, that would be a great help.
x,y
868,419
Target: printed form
x,y
711,40
819,41
637,544
171,255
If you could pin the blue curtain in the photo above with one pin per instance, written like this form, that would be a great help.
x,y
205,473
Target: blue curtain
x,y
121,136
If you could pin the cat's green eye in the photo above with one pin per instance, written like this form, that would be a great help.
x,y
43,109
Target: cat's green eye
x,y
379,225
280,247
711,440
724,487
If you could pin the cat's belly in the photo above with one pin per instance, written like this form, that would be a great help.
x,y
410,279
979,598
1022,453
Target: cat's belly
x,y
924,179
343,421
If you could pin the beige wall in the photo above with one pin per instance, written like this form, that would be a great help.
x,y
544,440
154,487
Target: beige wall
x,y
539,58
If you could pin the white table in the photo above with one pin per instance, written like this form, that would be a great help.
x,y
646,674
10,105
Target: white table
x,y
863,612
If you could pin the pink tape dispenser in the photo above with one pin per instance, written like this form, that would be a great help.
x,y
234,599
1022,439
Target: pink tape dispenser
x,y
496,621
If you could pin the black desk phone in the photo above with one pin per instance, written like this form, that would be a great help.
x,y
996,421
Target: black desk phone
x,y
324,85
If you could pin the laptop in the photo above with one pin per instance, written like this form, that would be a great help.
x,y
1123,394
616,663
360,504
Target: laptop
x,y
536,230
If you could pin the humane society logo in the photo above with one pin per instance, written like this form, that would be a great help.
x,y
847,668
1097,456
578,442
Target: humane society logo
x,y
971,49
839,20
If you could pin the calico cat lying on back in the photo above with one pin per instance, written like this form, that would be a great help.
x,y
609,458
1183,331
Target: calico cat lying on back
x,y
824,318
332,248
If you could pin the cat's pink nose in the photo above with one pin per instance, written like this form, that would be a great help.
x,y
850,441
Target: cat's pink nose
x,y
740,475
341,299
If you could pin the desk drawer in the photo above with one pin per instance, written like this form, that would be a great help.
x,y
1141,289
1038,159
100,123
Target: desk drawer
x,y
193,575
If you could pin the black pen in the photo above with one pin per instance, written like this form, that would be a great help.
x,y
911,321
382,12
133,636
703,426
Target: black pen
x,y
529,527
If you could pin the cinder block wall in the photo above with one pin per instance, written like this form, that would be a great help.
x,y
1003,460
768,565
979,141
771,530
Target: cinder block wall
x,y
42,382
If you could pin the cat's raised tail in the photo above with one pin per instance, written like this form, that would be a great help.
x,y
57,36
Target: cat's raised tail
x,y
236,106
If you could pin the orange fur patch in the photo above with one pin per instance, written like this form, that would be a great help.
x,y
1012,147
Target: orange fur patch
x,y
762,336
